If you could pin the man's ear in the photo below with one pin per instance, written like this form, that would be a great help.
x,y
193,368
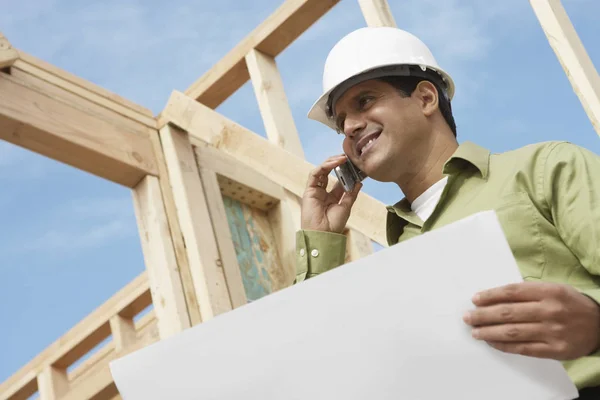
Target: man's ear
x,y
428,97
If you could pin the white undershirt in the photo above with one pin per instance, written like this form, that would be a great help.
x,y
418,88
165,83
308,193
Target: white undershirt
x,y
424,205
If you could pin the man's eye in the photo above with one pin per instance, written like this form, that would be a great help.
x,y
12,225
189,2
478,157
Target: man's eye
x,y
363,101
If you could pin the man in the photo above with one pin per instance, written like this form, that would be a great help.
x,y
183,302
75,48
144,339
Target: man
x,y
386,94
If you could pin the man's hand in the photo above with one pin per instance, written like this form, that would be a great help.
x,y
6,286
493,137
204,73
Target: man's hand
x,y
538,319
323,210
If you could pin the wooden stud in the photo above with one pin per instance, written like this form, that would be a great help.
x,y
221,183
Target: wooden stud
x,y
78,341
377,13
271,37
8,55
205,261
123,332
53,383
55,127
368,214
285,220
272,102
176,235
572,55
159,255
218,216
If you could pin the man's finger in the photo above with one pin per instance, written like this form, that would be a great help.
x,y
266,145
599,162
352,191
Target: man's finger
x,y
318,176
531,349
505,313
523,332
515,292
349,198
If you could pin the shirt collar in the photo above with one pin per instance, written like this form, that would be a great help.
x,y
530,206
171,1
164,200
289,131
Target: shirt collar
x,y
468,154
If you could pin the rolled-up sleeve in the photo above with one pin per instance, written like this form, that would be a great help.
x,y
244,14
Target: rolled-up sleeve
x,y
318,252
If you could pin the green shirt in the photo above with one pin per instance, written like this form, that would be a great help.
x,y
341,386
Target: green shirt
x,y
547,198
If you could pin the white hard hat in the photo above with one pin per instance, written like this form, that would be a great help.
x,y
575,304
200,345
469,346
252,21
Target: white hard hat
x,y
374,52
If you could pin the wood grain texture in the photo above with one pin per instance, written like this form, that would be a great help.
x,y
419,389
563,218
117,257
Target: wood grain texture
x,y
272,102
256,249
66,76
8,55
57,127
204,258
159,256
271,37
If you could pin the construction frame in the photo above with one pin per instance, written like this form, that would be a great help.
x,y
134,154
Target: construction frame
x,y
208,193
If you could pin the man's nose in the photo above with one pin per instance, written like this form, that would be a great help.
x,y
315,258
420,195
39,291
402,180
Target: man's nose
x,y
353,125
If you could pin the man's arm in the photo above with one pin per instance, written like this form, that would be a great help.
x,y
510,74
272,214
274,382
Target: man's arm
x,y
545,319
318,252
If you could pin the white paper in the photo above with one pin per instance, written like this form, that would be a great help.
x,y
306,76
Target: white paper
x,y
388,326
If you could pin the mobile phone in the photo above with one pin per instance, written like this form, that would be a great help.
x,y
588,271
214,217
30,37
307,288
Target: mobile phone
x,y
349,175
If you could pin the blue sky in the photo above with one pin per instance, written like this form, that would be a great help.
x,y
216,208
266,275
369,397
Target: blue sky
x,y
68,240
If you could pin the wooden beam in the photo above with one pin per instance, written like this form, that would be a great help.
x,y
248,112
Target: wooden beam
x,y
368,214
272,102
52,125
68,80
88,92
218,215
271,37
161,264
63,349
123,332
377,13
53,383
8,55
285,221
205,261
176,235
572,55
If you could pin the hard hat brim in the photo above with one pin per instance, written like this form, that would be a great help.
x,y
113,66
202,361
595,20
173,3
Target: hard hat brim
x,y
318,110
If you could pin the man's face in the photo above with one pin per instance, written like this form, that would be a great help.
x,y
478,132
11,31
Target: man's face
x,y
382,129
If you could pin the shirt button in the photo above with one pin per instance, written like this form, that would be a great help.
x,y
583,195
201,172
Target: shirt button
x,y
314,253
302,252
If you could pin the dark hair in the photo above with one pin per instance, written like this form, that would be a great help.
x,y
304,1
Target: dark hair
x,y
405,85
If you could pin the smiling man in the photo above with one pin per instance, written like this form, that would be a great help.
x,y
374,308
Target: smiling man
x,y
385,92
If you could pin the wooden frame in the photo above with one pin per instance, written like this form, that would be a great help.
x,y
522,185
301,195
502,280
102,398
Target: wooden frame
x,y
181,166
571,55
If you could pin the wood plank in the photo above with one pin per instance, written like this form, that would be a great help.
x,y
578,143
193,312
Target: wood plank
x,y
271,37
53,383
22,390
228,168
272,102
83,83
78,334
123,332
285,169
8,55
159,255
571,55
218,216
185,273
256,250
285,222
54,127
92,96
205,261
377,13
